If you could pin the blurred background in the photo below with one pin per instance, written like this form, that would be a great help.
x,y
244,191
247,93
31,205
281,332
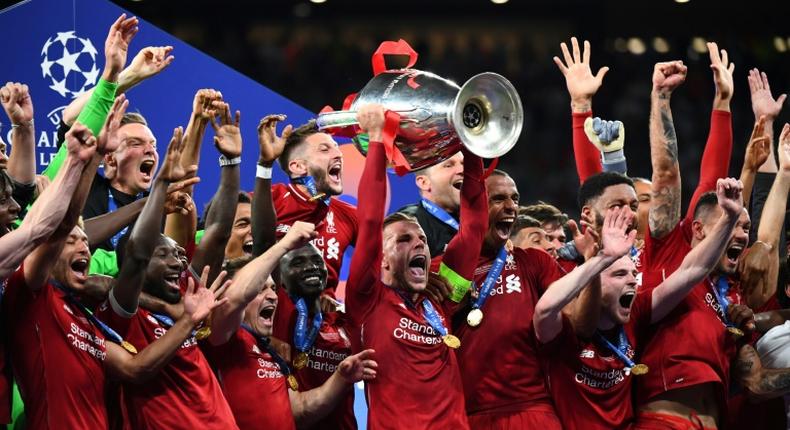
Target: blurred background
x,y
316,52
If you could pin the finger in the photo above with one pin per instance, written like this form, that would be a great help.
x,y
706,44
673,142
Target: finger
x,y
601,73
713,51
752,85
287,132
221,290
190,286
764,79
731,68
204,275
566,54
364,355
558,62
218,303
238,118
586,52
218,281
432,295
115,25
576,54
226,113
180,185
574,228
725,59
781,100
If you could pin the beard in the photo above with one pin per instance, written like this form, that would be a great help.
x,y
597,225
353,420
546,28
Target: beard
x,y
321,183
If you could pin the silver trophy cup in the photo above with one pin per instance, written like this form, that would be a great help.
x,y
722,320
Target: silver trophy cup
x,y
438,116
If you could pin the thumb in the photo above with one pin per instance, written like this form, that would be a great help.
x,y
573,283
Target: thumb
x,y
573,227
781,99
287,131
601,73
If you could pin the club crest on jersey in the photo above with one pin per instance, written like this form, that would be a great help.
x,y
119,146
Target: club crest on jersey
x,y
330,223
510,262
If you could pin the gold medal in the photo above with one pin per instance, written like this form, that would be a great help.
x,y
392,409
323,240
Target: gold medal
x,y
301,360
474,317
318,196
129,347
451,341
203,333
639,369
292,384
735,332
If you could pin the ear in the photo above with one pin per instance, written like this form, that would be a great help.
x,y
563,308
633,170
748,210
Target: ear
x,y
109,160
697,231
587,212
297,167
423,183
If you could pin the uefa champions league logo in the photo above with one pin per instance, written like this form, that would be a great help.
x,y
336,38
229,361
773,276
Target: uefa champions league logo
x,y
69,63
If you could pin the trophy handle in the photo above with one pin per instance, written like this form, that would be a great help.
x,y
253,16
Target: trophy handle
x,y
345,118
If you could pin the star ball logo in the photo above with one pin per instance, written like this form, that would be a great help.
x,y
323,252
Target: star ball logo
x,y
69,63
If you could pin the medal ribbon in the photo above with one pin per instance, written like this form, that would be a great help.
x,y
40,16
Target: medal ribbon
x,y
439,214
309,183
304,338
488,283
167,321
432,317
112,206
620,350
264,342
720,292
108,332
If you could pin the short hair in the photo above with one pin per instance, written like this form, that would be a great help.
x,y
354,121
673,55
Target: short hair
x,y
133,118
497,172
596,184
544,213
399,217
641,179
295,141
233,266
706,203
522,222
244,197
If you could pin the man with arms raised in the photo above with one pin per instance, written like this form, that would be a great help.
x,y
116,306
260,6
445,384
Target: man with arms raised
x,y
388,309
590,369
252,373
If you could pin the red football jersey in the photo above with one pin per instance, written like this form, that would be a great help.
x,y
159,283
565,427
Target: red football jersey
x,y
58,358
498,359
332,345
252,382
587,381
185,393
410,354
336,225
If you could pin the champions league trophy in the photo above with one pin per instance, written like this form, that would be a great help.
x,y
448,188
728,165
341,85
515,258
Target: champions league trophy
x,y
436,115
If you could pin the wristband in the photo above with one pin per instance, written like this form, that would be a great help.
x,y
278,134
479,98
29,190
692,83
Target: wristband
x,y
225,161
23,124
263,172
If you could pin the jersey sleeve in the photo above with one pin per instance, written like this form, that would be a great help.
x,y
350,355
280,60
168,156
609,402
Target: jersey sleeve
x,y
716,158
588,159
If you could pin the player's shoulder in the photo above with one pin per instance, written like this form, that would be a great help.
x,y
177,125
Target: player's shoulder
x,y
411,209
343,207
532,255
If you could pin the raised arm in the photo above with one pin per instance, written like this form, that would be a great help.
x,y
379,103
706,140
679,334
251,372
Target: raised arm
x,y
617,242
49,210
145,234
763,104
198,304
582,86
365,270
264,217
703,257
249,281
219,220
19,107
665,211
757,151
760,267
718,149
460,258
309,407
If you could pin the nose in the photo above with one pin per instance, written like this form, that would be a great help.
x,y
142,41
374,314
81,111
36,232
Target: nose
x,y
270,295
548,247
14,207
511,205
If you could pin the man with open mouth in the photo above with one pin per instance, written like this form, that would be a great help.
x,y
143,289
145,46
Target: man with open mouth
x,y
151,262
507,284
440,201
252,372
590,368
418,384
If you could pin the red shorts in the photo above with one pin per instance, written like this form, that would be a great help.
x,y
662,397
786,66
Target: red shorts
x,y
658,421
540,417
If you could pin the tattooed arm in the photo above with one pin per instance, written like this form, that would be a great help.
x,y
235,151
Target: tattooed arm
x,y
761,383
665,211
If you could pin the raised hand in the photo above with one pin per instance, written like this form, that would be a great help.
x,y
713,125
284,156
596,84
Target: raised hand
x,y
205,102
109,138
728,192
299,235
668,76
17,103
80,142
615,237
199,301
116,46
179,202
582,84
763,103
172,170
271,146
759,147
149,62
783,150
742,316
358,367
371,121
586,243
227,136
722,71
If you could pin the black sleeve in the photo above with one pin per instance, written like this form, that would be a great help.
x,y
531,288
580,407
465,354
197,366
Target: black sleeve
x,y
23,195
63,128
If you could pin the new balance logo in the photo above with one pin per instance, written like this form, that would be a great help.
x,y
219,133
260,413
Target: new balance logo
x,y
283,228
587,353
